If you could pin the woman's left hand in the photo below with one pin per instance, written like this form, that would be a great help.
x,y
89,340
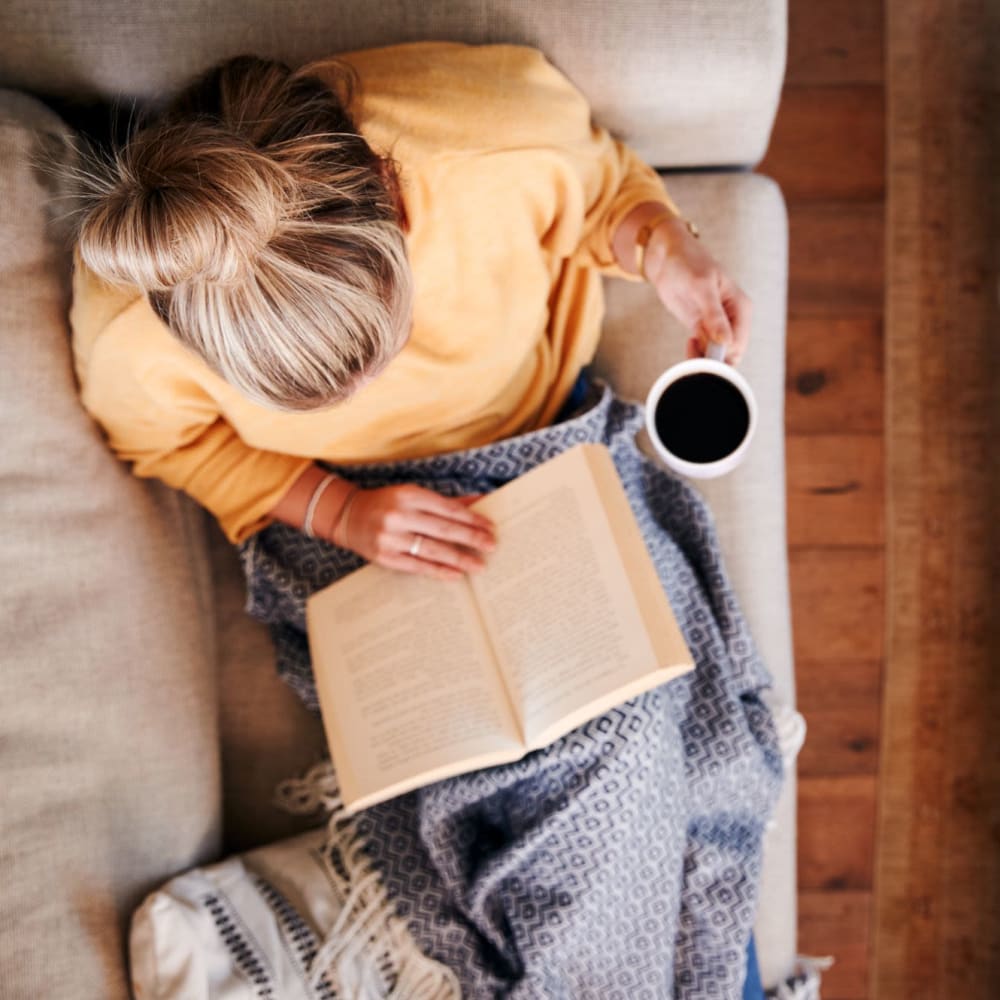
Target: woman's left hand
x,y
693,286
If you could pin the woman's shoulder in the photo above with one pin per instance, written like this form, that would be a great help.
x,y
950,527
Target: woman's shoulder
x,y
121,348
424,98
94,307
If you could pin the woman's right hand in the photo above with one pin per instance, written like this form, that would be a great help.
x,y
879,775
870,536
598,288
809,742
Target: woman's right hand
x,y
416,530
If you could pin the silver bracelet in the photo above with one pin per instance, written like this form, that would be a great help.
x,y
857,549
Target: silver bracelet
x,y
307,524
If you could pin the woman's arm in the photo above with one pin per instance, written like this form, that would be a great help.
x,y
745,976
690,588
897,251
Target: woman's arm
x,y
160,419
386,525
688,280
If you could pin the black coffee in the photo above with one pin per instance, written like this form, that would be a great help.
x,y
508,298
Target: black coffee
x,y
702,418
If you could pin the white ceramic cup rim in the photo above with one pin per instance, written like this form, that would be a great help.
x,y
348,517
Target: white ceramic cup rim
x,y
713,366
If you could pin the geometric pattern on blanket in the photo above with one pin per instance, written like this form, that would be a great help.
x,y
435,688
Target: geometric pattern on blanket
x,y
624,859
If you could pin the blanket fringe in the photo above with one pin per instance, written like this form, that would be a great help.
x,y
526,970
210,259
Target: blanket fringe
x,y
790,727
367,934
804,983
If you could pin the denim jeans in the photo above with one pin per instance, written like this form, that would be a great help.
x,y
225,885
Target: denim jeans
x,y
752,987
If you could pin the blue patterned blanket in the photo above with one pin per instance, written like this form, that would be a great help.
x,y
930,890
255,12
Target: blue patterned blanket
x,y
624,859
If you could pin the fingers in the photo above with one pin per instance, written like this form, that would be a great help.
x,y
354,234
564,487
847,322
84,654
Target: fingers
x,y
449,519
447,530
452,538
739,310
693,286
453,508
435,552
713,324
724,319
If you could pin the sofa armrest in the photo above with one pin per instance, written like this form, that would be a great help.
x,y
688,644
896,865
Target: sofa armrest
x,y
109,749
686,82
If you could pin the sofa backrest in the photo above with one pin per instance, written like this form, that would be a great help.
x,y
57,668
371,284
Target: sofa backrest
x,y
686,82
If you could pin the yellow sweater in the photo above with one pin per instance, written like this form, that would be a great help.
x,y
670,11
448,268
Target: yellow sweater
x,y
512,197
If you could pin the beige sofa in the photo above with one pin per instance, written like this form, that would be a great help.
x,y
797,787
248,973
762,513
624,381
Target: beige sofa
x,y
142,728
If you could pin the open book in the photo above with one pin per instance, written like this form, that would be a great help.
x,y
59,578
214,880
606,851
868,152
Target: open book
x,y
420,679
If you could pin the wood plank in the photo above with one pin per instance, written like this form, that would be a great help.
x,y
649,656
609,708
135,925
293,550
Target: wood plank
x,y
840,703
836,848
834,386
828,144
835,43
839,924
937,921
835,489
837,259
834,380
837,603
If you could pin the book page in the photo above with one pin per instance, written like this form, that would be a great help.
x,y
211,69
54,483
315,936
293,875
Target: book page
x,y
558,603
661,624
408,685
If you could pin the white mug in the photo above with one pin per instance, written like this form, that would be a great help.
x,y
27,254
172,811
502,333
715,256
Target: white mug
x,y
713,364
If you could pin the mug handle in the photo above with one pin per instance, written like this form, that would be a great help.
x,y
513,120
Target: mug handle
x,y
716,352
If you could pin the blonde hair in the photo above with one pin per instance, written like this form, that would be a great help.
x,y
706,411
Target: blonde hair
x,y
265,231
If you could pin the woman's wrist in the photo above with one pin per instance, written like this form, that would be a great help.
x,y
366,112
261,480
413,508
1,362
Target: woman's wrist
x,y
315,501
338,532
624,241
648,235
663,241
330,509
317,494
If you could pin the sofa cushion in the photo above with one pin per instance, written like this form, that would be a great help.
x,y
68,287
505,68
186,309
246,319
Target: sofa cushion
x,y
744,225
266,732
108,738
109,748
686,83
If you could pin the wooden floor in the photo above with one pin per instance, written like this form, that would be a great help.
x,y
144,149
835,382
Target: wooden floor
x,y
937,875
828,154
893,863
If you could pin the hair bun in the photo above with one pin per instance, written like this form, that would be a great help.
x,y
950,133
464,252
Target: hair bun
x,y
182,202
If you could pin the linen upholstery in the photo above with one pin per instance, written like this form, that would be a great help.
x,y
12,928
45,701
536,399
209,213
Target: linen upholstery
x,y
685,82
266,733
111,777
109,753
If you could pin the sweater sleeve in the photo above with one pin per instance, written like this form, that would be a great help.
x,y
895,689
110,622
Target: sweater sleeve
x,y
629,182
602,179
240,485
447,99
156,416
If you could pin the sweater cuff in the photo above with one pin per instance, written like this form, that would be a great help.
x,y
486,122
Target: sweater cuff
x,y
624,204
254,515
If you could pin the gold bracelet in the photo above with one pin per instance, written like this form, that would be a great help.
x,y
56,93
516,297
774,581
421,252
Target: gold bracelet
x,y
342,516
645,233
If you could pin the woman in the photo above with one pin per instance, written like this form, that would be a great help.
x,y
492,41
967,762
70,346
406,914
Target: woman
x,y
288,298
